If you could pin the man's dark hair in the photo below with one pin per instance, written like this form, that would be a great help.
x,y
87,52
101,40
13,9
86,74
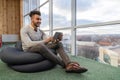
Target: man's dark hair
x,y
34,12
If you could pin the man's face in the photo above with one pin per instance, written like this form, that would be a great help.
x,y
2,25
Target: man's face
x,y
36,20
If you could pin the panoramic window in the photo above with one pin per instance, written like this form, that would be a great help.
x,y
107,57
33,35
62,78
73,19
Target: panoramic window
x,y
99,20
92,42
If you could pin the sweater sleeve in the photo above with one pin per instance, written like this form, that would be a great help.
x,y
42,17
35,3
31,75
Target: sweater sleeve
x,y
26,39
44,36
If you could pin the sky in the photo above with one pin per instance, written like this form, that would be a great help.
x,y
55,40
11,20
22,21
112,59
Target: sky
x,y
101,11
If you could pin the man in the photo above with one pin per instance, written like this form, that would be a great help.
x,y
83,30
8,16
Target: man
x,y
35,40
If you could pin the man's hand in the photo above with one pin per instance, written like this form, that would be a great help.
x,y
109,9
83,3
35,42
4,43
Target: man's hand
x,y
50,39
57,37
55,40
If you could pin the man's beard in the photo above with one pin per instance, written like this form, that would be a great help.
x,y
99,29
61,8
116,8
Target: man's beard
x,y
37,24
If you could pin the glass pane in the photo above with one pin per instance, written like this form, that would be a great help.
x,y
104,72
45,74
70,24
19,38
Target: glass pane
x,y
33,4
66,40
26,6
27,20
95,11
89,42
38,3
61,13
47,33
42,1
45,17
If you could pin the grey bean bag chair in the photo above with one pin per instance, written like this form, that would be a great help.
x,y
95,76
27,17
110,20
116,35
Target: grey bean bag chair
x,y
21,61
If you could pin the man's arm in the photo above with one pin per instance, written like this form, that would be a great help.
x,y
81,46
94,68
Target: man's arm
x,y
27,41
44,36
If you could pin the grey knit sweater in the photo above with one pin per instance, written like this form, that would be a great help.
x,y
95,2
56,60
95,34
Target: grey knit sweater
x,y
30,38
